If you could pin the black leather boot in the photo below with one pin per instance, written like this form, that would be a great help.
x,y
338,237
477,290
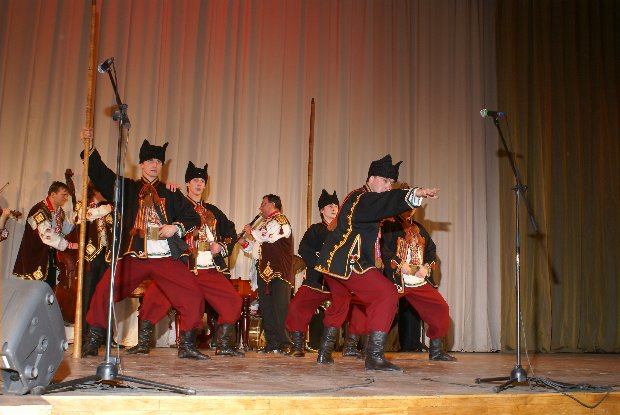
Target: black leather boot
x,y
145,333
349,349
94,339
299,344
187,346
375,359
326,348
225,343
435,352
364,340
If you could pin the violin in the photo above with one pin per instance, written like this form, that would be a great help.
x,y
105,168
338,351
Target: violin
x,y
15,214
67,263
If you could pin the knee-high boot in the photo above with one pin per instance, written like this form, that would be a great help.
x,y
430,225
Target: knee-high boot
x,y
225,343
375,360
326,348
187,346
145,333
94,339
298,339
436,352
349,349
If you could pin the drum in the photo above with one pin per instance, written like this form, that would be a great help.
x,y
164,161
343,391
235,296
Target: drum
x,y
315,329
256,336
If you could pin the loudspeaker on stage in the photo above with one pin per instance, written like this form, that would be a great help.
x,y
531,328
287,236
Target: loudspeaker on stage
x,y
33,336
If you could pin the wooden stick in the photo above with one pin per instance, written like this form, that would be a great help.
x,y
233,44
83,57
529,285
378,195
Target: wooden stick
x,y
310,167
90,103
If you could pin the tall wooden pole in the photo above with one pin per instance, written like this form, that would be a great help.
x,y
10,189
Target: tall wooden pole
x,y
310,167
90,104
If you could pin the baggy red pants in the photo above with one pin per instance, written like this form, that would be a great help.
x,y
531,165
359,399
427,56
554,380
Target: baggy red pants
x,y
431,307
373,289
306,301
172,276
215,288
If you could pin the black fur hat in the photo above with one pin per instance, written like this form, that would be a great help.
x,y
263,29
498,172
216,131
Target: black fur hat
x,y
384,168
327,199
149,151
193,172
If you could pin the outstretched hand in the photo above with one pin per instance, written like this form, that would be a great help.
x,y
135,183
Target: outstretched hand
x,y
429,193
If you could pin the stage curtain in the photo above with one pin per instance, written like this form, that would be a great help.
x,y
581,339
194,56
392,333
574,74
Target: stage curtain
x,y
558,77
229,83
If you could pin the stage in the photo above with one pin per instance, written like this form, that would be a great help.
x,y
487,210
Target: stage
x,y
263,384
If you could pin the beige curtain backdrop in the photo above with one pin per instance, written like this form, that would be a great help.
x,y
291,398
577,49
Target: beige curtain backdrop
x,y
229,83
558,77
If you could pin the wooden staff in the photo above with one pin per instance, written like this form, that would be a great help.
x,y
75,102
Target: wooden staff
x,y
90,103
310,167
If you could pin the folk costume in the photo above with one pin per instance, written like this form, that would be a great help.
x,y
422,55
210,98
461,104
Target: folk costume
x,y
147,206
314,291
405,241
272,249
348,260
44,235
212,276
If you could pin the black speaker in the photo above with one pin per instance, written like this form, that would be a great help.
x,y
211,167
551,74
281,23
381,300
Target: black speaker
x,y
33,335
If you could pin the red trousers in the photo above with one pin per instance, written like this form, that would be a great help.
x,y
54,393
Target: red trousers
x,y
431,307
304,304
373,289
216,290
172,276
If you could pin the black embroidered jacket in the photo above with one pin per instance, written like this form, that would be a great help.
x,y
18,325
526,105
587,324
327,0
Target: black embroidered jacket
x,y
174,206
350,247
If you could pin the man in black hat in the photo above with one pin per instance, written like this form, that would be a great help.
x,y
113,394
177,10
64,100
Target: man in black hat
x,y
349,253
208,246
314,290
408,253
272,248
153,217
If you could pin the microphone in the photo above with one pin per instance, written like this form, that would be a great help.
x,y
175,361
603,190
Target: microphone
x,y
484,113
105,65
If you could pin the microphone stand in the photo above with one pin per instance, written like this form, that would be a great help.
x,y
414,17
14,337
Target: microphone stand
x,y
518,374
107,371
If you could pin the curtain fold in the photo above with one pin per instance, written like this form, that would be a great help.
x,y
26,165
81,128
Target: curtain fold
x,y
558,77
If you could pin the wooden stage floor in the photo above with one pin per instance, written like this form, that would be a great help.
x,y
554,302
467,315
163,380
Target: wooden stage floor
x,y
263,384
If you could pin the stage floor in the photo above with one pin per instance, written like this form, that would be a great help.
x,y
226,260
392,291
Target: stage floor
x,y
261,384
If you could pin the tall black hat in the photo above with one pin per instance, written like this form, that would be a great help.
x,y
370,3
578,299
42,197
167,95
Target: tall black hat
x,y
384,168
193,172
327,199
149,151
